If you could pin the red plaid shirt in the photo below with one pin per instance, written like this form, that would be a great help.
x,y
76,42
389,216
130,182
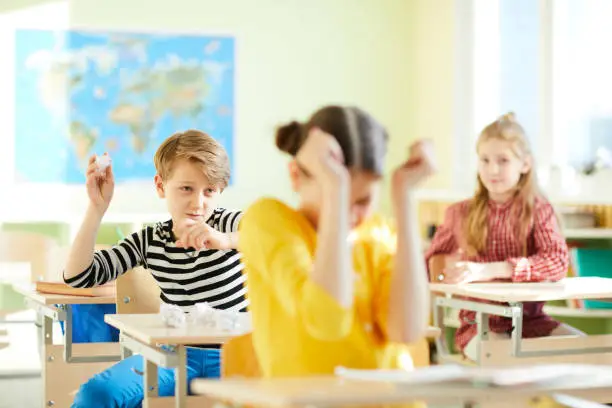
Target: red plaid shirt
x,y
547,260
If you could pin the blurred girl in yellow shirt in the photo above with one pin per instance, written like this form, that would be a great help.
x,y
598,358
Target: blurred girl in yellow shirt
x,y
330,285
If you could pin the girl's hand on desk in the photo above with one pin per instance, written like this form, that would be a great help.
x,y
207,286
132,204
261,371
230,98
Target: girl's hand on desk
x,y
467,272
456,269
460,272
100,184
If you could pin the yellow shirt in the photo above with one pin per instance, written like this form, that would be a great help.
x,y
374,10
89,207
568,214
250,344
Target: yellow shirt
x,y
298,328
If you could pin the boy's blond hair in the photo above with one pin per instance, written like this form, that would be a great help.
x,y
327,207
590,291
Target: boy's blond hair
x,y
196,147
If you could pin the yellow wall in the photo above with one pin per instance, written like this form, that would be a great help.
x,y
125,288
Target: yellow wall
x,y
435,82
392,57
12,5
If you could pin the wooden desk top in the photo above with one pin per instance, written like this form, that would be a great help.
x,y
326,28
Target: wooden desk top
x,y
335,391
569,288
150,329
55,299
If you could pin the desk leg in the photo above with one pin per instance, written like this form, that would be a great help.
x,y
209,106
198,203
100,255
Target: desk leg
x,y
125,352
442,348
151,384
482,322
46,341
517,329
150,379
180,391
67,332
47,330
39,320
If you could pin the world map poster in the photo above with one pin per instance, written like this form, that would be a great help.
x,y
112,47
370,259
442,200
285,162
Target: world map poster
x,y
85,92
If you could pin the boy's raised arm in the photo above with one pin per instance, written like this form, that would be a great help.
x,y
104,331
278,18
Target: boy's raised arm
x,y
100,184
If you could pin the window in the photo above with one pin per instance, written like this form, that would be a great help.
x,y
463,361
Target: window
x,y
547,61
582,80
503,66
508,62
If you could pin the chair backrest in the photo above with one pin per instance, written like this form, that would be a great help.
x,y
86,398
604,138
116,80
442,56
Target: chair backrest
x,y
137,292
436,266
593,262
36,249
239,359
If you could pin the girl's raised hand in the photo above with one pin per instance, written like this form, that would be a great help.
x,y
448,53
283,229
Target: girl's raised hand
x,y
418,167
321,157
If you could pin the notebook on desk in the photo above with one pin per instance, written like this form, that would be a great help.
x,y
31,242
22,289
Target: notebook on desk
x,y
491,377
60,288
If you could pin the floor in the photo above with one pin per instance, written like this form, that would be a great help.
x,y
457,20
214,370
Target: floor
x,y
20,381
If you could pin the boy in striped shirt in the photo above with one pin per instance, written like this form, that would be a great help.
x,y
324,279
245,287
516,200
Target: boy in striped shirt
x,y
192,256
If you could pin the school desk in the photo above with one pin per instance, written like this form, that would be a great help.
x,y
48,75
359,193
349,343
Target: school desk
x,y
145,334
333,391
591,349
66,366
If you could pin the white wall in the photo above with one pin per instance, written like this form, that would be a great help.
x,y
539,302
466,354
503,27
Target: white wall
x,y
292,57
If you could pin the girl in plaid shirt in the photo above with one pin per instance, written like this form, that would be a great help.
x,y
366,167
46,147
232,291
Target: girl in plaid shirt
x,y
508,231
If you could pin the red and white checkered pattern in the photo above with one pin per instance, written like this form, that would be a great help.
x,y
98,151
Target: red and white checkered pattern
x,y
547,260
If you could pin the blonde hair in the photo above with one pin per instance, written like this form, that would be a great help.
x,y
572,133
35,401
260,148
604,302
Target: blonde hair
x,y
196,147
526,191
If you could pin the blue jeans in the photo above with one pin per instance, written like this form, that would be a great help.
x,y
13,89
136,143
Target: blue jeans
x,y
121,386
88,324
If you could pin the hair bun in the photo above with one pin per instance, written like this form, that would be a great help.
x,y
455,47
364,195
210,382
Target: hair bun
x,y
508,117
289,137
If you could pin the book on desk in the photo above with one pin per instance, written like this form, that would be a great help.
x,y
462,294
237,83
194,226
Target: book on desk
x,y
60,288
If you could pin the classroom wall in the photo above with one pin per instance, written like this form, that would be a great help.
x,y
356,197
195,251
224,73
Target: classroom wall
x,y
12,5
392,57
435,85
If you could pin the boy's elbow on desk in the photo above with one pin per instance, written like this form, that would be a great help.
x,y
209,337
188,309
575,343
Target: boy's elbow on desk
x,y
82,279
69,278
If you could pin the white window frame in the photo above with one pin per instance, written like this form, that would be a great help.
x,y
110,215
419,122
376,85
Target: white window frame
x,y
476,80
478,84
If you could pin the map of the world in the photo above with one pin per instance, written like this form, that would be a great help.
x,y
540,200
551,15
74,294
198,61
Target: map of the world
x,y
83,92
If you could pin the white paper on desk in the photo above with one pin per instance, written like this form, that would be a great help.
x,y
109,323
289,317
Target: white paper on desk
x,y
203,315
496,377
529,375
433,374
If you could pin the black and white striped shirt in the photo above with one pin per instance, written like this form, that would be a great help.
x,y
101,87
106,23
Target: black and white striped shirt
x,y
185,276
